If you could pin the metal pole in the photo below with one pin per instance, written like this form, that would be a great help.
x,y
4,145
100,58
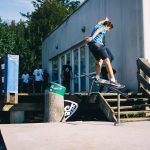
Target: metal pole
x,y
90,90
118,98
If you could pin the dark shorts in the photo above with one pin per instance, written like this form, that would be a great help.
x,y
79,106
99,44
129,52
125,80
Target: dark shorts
x,y
98,51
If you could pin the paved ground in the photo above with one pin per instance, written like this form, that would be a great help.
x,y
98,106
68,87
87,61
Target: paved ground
x,y
77,136
2,145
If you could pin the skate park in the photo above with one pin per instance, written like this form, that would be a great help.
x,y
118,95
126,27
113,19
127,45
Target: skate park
x,y
118,119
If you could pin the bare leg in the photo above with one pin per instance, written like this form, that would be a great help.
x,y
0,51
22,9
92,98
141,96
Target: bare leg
x,y
109,68
99,66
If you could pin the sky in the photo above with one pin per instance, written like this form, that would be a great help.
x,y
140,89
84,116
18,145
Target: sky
x,y
10,9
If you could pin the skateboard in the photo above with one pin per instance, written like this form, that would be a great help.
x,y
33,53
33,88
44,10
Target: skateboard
x,y
105,82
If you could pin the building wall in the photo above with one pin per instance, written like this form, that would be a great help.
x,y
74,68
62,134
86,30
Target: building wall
x,y
146,24
126,40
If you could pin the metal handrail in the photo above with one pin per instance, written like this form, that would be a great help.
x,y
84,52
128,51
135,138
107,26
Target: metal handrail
x,y
113,88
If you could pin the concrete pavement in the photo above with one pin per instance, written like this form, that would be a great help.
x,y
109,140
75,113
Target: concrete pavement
x,y
77,136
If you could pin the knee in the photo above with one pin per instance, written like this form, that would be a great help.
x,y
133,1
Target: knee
x,y
97,64
107,61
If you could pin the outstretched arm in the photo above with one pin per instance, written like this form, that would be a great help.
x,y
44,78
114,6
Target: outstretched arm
x,y
102,21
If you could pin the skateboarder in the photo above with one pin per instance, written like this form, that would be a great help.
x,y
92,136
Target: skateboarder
x,y
96,46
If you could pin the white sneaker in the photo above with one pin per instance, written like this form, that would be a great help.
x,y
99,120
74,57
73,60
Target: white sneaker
x,y
102,81
115,83
95,78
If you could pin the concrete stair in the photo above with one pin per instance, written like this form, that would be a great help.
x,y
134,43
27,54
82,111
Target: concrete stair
x,y
135,108
96,107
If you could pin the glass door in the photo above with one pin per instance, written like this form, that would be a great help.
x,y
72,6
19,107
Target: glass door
x,y
76,71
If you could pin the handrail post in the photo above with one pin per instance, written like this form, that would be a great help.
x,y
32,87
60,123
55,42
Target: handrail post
x,y
118,109
118,99
90,90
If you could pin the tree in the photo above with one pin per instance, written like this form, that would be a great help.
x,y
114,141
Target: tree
x,y
25,38
48,15
7,39
70,5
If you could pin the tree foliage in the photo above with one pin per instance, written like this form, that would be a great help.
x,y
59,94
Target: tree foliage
x,y
25,38
7,39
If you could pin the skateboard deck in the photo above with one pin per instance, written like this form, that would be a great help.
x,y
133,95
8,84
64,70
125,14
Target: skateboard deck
x,y
105,82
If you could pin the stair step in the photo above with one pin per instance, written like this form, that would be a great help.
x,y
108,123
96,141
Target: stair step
x,y
131,107
38,118
131,95
35,121
127,100
137,95
135,119
134,108
133,112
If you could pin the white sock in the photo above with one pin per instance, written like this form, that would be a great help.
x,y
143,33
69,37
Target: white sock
x,y
97,77
113,79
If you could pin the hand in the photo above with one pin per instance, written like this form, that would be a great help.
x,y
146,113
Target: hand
x,y
88,39
106,19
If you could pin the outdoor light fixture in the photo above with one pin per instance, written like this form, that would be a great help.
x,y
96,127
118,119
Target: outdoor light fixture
x,y
56,47
83,29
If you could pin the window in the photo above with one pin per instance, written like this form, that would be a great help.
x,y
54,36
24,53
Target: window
x,y
62,60
76,63
76,74
95,87
83,66
55,70
92,62
83,84
76,85
68,57
82,60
